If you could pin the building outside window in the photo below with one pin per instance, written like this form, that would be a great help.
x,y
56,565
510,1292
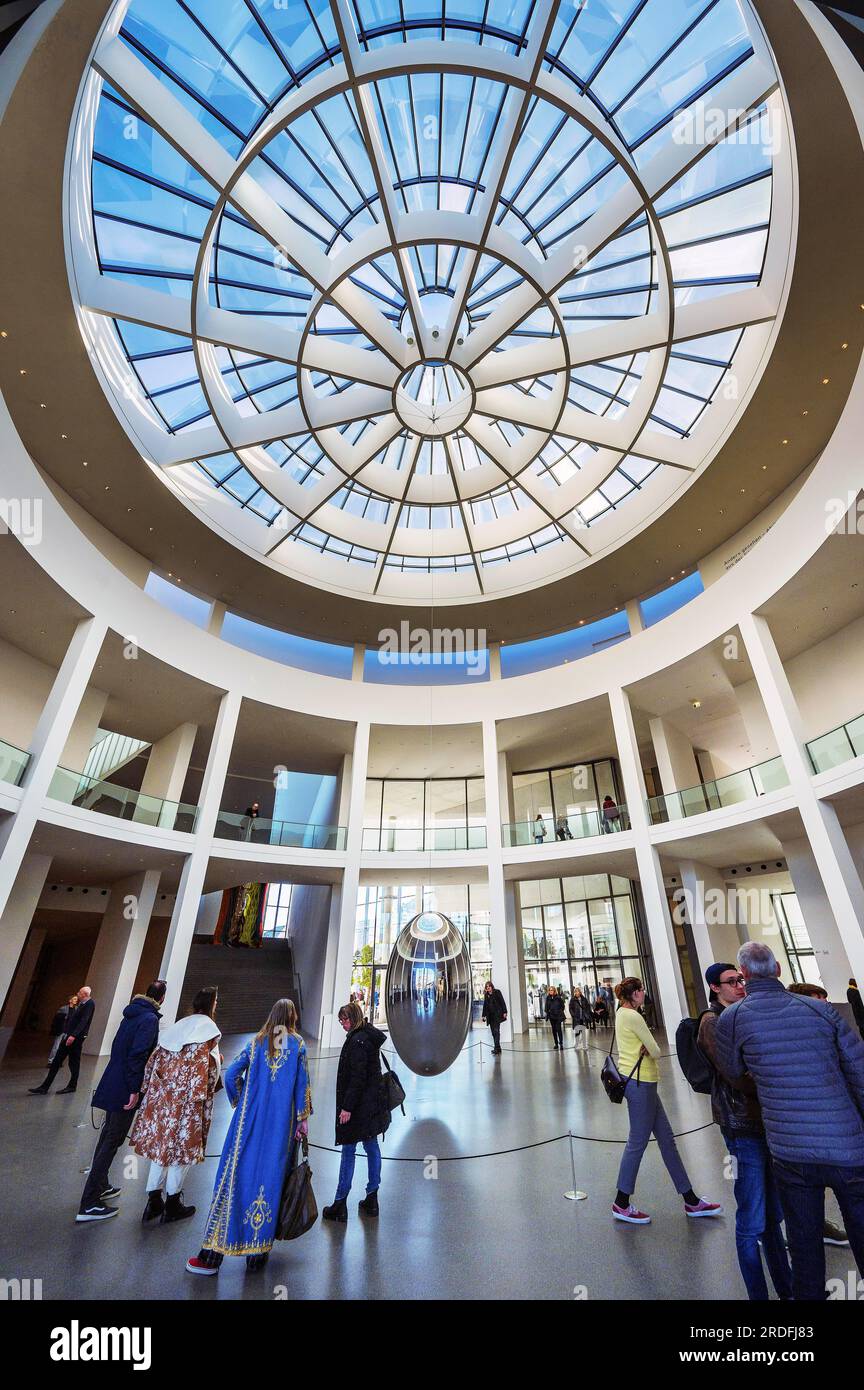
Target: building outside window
x,y
581,931
382,911
438,813
800,955
277,910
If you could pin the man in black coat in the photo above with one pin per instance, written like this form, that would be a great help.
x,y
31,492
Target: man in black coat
x,y
494,1013
118,1094
71,1047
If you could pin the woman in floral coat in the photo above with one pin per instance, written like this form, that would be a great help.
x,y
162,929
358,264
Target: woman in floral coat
x,y
172,1125
268,1086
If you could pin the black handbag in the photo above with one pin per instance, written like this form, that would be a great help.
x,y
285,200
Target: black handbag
x,y
614,1083
392,1090
298,1210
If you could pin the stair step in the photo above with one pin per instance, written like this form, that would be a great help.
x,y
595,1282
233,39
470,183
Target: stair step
x,y
249,980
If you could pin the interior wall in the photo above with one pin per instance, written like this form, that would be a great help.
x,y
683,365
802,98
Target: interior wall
x,y
151,954
25,684
828,680
308,929
61,969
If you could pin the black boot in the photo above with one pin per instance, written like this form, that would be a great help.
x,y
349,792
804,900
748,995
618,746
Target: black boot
x,y
175,1210
369,1205
68,1091
337,1212
254,1262
38,1090
155,1206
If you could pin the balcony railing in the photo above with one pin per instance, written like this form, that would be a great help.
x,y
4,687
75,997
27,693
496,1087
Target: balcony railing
x,y
391,839
580,825
840,746
13,763
259,830
111,800
722,791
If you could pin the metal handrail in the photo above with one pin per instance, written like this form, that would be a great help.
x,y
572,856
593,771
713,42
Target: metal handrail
x,y
262,830
579,825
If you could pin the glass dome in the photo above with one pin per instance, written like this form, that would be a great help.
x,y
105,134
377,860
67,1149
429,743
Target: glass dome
x,y
405,319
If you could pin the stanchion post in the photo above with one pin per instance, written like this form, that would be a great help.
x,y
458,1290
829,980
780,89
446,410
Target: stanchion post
x,y
574,1195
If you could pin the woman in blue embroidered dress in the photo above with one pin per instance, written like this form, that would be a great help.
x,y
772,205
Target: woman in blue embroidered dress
x,y
268,1086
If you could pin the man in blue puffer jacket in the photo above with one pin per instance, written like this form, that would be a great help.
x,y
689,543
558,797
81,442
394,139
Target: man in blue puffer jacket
x,y
808,1066
118,1094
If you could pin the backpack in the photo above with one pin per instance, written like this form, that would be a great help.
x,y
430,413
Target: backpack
x,y
693,1062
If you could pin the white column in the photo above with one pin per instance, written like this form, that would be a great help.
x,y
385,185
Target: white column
x,y
165,773
18,989
117,953
670,984
358,662
49,738
634,616
216,618
831,959
18,914
676,761
495,661
343,913
182,928
502,913
714,935
843,887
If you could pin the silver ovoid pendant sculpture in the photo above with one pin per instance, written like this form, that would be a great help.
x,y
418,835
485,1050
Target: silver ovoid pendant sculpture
x,y
429,993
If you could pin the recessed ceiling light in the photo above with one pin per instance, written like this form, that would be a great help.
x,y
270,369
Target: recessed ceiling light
x,y
825,380
42,405
3,333
64,436
84,463
785,441
844,346
697,704
23,371
805,412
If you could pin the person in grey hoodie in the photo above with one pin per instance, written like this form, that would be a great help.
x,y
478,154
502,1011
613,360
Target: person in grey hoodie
x,y
808,1067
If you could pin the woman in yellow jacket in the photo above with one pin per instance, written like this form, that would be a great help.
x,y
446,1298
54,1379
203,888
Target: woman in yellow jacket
x,y
638,1049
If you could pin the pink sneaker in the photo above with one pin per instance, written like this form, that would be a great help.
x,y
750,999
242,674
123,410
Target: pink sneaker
x,y
632,1215
703,1208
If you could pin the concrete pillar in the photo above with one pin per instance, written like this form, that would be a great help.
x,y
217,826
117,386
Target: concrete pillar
x,y
634,616
216,618
831,959
15,921
676,761
711,912
495,661
339,962
49,738
186,903
843,887
670,983
165,774
112,970
85,726
20,985
502,907
358,662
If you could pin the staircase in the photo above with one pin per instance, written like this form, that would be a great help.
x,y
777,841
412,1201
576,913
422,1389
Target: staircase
x,y
249,980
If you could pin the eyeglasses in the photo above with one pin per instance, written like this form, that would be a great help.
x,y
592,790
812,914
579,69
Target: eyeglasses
x,y
733,980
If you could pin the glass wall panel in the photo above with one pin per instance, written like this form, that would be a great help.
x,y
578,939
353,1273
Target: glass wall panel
x,y
445,813
628,941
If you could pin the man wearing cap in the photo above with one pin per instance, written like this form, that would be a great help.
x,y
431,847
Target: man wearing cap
x,y
735,1107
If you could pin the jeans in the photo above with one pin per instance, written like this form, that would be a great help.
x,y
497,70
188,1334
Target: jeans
x,y
802,1193
112,1134
758,1217
346,1168
648,1117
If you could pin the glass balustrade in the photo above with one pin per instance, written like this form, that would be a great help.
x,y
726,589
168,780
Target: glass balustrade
x,y
721,791
260,830
579,825
108,799
13,763
838,746
392,839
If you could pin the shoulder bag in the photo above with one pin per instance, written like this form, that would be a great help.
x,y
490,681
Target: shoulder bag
x,y
298,1210
392,1090
613,1082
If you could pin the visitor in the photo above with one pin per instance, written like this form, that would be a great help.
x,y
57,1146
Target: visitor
x,y
581,1017
77,1027
562,829
600,1010
494,1014
809,991
118,1093
856,1004
539,830
555,1012
268,1086
250,815
173,1122
735,1108
610,815
637,1053
832,1234
59,1029
808,1066
361,1114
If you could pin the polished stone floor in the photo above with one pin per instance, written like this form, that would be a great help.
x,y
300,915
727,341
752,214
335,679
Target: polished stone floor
x,y
490,1227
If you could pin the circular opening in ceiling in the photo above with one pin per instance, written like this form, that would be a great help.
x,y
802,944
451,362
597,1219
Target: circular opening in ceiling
x,y
434,399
